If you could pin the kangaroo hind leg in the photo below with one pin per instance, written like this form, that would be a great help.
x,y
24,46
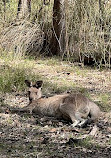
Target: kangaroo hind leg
x,y
82,121
69,111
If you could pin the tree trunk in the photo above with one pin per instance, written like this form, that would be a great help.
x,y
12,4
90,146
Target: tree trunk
x,y
58,43
24,9
4,9
101,12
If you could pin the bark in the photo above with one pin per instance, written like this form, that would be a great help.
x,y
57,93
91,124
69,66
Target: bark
x,y
4,8
101,12
24,9
58,44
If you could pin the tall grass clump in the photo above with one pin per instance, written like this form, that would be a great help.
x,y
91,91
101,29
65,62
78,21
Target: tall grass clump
x,y
89,31
25,36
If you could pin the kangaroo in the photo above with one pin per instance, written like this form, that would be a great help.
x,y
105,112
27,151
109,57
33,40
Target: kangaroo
x,y
76,107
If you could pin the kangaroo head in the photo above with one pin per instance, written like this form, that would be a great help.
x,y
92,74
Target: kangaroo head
x,y
34,91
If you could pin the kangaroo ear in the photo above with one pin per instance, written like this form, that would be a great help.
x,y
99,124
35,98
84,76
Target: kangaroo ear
x,y
28,83
39,84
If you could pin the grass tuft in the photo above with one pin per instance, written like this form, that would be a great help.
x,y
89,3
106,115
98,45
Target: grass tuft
x,y
14,72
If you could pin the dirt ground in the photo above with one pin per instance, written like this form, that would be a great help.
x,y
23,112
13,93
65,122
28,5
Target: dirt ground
x,y
29,136
24,135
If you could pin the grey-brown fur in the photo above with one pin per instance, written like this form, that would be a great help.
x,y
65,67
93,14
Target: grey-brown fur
x,y
75,107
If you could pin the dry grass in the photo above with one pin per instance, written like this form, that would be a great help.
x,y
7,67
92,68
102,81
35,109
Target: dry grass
x,y
87,29
22,38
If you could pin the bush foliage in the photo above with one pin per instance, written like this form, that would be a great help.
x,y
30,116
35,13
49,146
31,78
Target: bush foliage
x,y
87,28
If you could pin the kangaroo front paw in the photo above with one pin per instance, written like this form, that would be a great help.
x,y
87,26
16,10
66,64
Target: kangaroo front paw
x,y
82,124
